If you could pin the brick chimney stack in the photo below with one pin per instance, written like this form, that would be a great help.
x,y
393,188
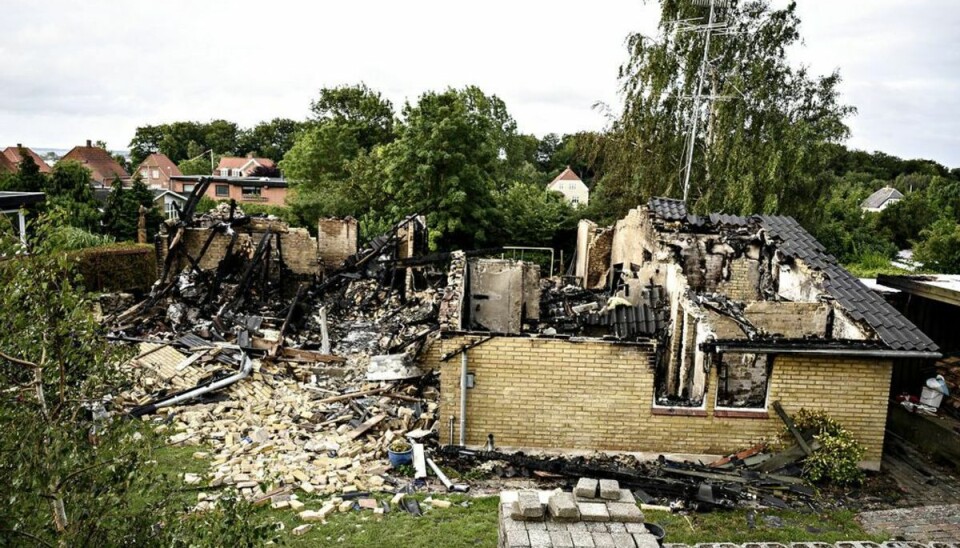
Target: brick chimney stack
x,y
89,143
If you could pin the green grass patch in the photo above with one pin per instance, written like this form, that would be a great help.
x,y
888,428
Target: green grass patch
x,y
768,526
454,527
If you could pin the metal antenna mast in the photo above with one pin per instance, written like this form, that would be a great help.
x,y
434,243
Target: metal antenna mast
x,y
698,96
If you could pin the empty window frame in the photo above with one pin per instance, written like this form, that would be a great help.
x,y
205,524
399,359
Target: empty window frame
x,y
743,380
223,191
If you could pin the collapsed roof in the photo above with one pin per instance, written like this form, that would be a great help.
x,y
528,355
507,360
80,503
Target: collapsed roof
x,y
792,244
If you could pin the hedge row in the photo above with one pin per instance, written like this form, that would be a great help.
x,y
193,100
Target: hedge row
x,y
117,267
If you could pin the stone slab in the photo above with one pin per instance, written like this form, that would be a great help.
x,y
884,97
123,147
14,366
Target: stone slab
x,y
586,488
623,540
643,540
603,540
561,539
593,511
609,489
562,506
527,506
582,539
624,512
516,539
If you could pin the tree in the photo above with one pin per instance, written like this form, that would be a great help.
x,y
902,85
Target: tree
x,y
365,115
146,141
533,215
905,219
758,152
121,214
444,161
69,190
939,247
270,139
221,137
75,472
28,177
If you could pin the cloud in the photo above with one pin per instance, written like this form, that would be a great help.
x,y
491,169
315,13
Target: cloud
x,y
70,72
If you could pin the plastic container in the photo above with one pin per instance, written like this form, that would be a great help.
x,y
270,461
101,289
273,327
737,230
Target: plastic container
x,y
930,396
401,458
657,531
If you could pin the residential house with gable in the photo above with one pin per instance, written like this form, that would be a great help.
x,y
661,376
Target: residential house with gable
x,y
157,169
574,191
103,168
15,154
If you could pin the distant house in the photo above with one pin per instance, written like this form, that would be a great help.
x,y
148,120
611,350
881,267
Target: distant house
x,y
234,166
262,190
6,166
574,191
157,169
164,200
881,199
15,154
103,168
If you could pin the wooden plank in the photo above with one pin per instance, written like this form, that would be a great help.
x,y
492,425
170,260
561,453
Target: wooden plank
x,y
783,458
366,426
792,427
311,355
353,395
419,461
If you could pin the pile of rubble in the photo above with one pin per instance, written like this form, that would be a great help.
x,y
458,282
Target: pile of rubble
x,y
278,379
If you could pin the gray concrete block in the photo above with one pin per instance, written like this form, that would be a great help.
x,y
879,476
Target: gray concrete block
x,y
609,489
627,496
593,511
624,512
623,540
539,539
596,526
586,488
517,539
603,540
645,540
527,506
638,528
562,506
582,539
616,527
561,539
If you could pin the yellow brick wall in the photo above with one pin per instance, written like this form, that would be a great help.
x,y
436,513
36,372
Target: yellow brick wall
x,y
543,393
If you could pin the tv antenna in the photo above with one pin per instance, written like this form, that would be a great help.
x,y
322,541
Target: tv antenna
x,y
712,26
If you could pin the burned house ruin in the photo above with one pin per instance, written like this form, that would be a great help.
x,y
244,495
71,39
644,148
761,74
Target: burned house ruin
x,y
680,333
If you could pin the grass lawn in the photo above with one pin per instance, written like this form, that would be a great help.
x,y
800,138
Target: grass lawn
x,y
475,523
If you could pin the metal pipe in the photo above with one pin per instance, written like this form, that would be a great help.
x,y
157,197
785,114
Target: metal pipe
x,y
521,248
463,398
246,367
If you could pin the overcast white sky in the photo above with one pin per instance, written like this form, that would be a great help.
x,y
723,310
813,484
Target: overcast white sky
x,y
72,71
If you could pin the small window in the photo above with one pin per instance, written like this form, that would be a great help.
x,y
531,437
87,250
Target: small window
x,y
156,174
251,192
188,188
171,211
223,190
224,172
743,380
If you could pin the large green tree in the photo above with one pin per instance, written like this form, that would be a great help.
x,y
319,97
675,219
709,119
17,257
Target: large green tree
x,y
69,190
758,150
270,139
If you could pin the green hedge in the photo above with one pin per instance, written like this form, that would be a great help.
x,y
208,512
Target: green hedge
x,y
117,267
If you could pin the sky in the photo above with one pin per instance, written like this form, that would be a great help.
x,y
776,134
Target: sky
x,y
71,71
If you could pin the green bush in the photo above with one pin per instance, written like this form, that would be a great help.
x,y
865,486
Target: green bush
x,y
837,459
71,238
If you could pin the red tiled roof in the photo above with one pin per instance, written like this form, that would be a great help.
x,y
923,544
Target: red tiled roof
x,y
6,166
162,163
13,154
103,167
566,175
237,162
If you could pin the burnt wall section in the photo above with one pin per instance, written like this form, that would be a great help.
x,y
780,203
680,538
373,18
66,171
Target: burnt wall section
x,y
502,295
298,248
451,305
337,239
594,395
594,245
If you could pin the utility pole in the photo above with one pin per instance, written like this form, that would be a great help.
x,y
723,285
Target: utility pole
x,y
698,96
